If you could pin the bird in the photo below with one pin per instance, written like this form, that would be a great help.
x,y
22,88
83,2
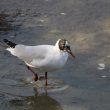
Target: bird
x,y
45,58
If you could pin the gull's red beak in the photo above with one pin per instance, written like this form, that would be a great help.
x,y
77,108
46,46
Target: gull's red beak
x,y
70,52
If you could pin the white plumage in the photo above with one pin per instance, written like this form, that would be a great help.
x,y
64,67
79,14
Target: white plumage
x,y
45,58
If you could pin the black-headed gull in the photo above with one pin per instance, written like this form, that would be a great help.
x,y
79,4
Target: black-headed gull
x,y
45,58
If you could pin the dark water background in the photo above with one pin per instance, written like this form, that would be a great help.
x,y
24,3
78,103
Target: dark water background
x,y
86,24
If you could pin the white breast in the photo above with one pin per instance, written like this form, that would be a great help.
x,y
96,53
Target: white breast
x,y
53,62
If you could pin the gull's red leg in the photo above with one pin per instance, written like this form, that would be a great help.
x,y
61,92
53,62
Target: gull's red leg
x,y
46,79
35,77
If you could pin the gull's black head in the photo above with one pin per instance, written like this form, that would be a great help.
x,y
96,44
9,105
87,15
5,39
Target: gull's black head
x,y
64,46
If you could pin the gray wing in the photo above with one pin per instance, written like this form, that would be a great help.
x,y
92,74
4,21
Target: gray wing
x,y
30,53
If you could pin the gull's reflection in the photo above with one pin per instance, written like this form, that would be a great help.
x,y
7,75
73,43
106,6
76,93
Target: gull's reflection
x,y
36,102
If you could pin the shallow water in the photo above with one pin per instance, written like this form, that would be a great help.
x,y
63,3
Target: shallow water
x,y
81,84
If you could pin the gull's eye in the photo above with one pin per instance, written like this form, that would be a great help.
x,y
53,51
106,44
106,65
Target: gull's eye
x,y
68,47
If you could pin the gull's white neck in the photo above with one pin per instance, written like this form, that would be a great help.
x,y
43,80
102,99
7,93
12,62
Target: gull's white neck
x,y
62,55
57,46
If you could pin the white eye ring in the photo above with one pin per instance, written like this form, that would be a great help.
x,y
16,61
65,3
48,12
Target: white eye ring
x,y
66,43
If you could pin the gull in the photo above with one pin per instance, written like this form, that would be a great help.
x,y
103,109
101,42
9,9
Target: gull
x,y
45,58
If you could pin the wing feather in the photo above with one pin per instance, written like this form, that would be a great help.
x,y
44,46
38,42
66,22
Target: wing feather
x,y
30,53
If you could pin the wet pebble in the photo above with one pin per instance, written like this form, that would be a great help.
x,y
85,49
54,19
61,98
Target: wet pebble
x,y
63,13
108,56
104,76
23,41
41,20
12,36
101,66
29,103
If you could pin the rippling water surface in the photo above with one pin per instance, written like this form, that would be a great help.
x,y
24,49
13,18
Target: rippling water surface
x,y
84,83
